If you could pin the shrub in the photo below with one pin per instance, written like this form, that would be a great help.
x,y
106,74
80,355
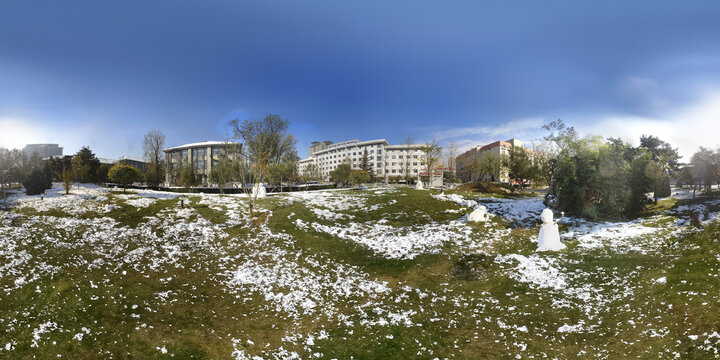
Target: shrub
x,y
188,178
36,183
67,178
123,174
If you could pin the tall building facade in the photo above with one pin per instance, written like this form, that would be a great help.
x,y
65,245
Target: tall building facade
x,y
202,155
499,149
44,150
386,160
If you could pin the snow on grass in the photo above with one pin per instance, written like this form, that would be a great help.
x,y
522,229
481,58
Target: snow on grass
x,y
330,215
537,270
304,295
522,211
457,199
335,200
80,200
140,202
620,237
398,243
317,287
233,206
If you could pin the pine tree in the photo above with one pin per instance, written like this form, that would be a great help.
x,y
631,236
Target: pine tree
x,y
366,165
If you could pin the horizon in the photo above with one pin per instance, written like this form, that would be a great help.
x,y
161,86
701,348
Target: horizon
x,y
103,75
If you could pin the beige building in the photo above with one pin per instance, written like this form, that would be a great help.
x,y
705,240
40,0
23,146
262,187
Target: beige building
x,y
386,160
202,155
500,148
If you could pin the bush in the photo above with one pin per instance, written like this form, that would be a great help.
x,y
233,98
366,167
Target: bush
x,y
359,176
341,174
36,183
188,178
123,174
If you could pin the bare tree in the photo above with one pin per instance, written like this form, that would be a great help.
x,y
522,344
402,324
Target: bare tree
x,y
432,152
9,162
450,155
265,142
408,161
152,151
487,164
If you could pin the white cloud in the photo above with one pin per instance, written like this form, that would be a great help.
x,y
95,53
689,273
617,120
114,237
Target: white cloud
x,y
503,129
467,137
686,127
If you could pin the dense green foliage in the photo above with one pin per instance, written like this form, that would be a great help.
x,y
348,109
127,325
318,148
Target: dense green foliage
x,y
359,176
85,165
600,179
366,165
38,181
188,178
520,166
154,175
123,174
341,174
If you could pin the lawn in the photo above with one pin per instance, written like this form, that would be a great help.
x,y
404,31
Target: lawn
x,y
339,274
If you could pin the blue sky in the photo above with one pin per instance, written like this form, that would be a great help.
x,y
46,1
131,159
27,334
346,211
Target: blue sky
x,y
104,73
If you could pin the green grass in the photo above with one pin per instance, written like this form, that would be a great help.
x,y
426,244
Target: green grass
x,y
616,295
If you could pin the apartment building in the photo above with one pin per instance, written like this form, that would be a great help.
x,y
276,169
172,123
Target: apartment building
x,y
44,150
137,163
464,163
202,155
500,148
386,160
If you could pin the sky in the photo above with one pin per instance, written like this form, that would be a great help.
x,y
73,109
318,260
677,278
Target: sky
x,y
102,74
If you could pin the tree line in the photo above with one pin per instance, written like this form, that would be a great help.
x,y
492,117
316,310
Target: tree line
x,y
607,178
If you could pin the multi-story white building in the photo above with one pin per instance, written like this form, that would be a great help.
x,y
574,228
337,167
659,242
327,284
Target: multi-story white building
x,y
43,150
386,160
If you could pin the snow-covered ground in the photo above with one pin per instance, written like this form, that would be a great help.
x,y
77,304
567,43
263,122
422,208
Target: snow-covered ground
x,y
272,271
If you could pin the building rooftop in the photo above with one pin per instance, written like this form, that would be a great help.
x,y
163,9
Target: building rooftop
x,y
131,158
199,144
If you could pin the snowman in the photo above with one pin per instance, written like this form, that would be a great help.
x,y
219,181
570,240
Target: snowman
x,y
549,237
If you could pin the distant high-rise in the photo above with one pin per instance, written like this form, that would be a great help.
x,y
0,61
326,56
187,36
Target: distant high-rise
x,y
44,150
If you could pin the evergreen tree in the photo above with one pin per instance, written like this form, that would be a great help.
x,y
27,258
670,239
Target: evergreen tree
x,y
520,167
85,165
35,182
664,163
47,175
188,178
366,165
